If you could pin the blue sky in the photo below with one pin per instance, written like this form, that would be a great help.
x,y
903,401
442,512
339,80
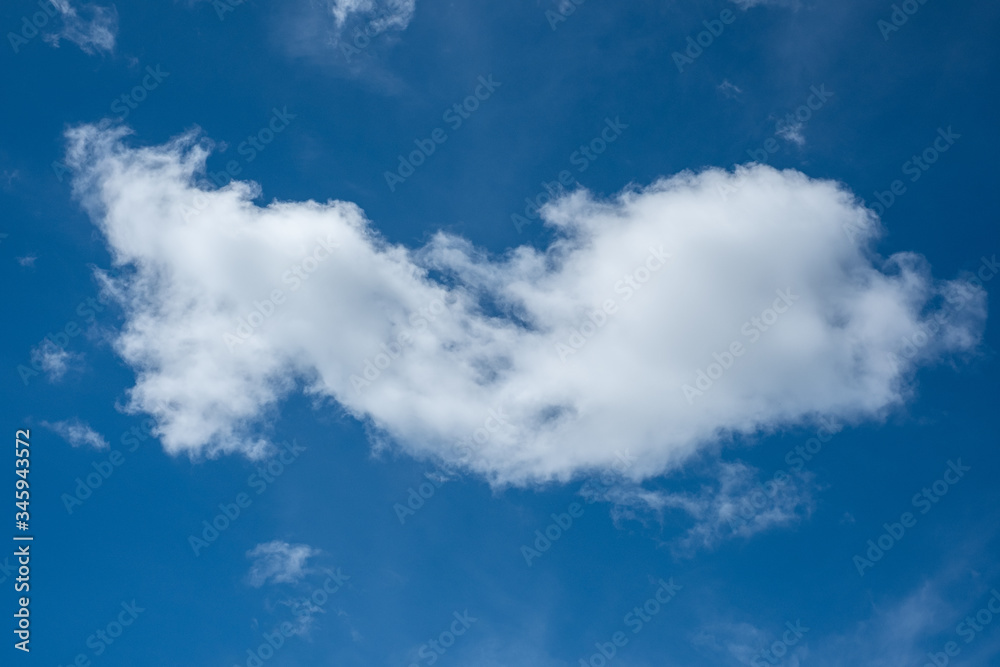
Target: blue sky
x,y
534,333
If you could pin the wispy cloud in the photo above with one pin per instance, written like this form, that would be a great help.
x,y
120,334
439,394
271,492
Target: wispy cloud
x,y
730,89
278,562
736,504
93,28
382,14
78,433
311,600
351,36
792,132
9,177
55,361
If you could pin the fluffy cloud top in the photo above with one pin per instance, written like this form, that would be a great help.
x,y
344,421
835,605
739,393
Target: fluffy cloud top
x,y
657,322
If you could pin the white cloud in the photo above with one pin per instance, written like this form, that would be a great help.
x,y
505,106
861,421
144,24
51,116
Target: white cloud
x,y
54,360
77,433
278,562
94,28
738,504
792,132
382,14
487,339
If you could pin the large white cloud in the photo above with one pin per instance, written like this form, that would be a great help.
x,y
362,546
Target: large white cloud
x,y
489,363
